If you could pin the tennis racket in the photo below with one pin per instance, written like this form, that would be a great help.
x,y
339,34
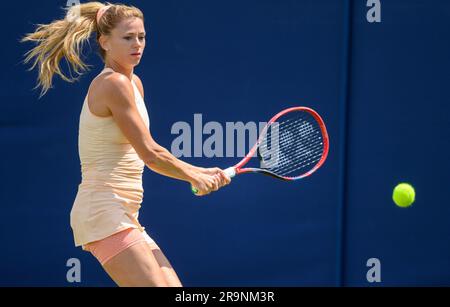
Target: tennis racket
x,y
293,145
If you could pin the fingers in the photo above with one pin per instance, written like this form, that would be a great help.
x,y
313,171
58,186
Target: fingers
x,y
202,191
211,181
221,178
225,177
207,185
216,183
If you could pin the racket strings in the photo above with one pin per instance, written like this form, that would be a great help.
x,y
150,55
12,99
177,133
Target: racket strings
x,y
303,128
306,135
289,165
288,125
298,148
296,145
306,153
285,125
299,165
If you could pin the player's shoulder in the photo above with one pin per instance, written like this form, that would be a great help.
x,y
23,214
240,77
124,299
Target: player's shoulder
x,y
116,88
114,81
117,79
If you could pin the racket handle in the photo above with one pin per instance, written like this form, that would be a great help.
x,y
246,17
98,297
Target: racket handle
x,y
231,172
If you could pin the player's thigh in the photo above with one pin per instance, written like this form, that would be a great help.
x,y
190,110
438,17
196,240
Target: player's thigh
x,y
169,272
136,266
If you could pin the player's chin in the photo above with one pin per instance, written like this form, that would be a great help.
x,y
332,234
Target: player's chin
x,y
132,61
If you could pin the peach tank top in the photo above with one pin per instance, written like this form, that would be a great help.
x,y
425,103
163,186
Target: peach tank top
x,y
110,193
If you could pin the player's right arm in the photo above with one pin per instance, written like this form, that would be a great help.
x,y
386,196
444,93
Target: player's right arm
x,y
117,92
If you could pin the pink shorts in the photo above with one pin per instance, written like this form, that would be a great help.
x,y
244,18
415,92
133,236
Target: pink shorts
x,y
105,249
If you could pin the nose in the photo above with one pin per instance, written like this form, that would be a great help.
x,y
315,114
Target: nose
x,y
137,42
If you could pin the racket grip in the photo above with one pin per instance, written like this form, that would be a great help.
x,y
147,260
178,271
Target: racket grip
x,y
231,172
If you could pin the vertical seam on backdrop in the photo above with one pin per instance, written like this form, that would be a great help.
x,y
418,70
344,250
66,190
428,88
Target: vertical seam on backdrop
x,y
344,102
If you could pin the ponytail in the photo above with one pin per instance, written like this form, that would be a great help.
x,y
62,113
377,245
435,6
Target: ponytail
x,y
61,38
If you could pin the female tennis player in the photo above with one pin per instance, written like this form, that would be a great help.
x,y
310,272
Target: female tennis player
x,y
114,141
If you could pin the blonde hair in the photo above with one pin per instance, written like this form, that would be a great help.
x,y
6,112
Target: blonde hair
x,y
66,38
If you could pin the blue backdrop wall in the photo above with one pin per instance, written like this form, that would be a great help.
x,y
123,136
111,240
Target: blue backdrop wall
x,y
382,89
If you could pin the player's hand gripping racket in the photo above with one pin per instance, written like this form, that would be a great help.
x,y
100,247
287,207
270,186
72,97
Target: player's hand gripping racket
x,y
292,146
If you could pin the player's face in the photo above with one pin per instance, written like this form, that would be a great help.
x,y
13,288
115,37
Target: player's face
x,y
126,42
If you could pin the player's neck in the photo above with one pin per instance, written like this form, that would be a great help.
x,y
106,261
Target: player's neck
x,y
126,71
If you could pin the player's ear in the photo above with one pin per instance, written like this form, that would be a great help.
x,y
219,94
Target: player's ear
x,y
104,42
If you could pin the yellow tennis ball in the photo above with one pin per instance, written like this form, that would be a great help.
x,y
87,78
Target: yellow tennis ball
x,y
404,195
